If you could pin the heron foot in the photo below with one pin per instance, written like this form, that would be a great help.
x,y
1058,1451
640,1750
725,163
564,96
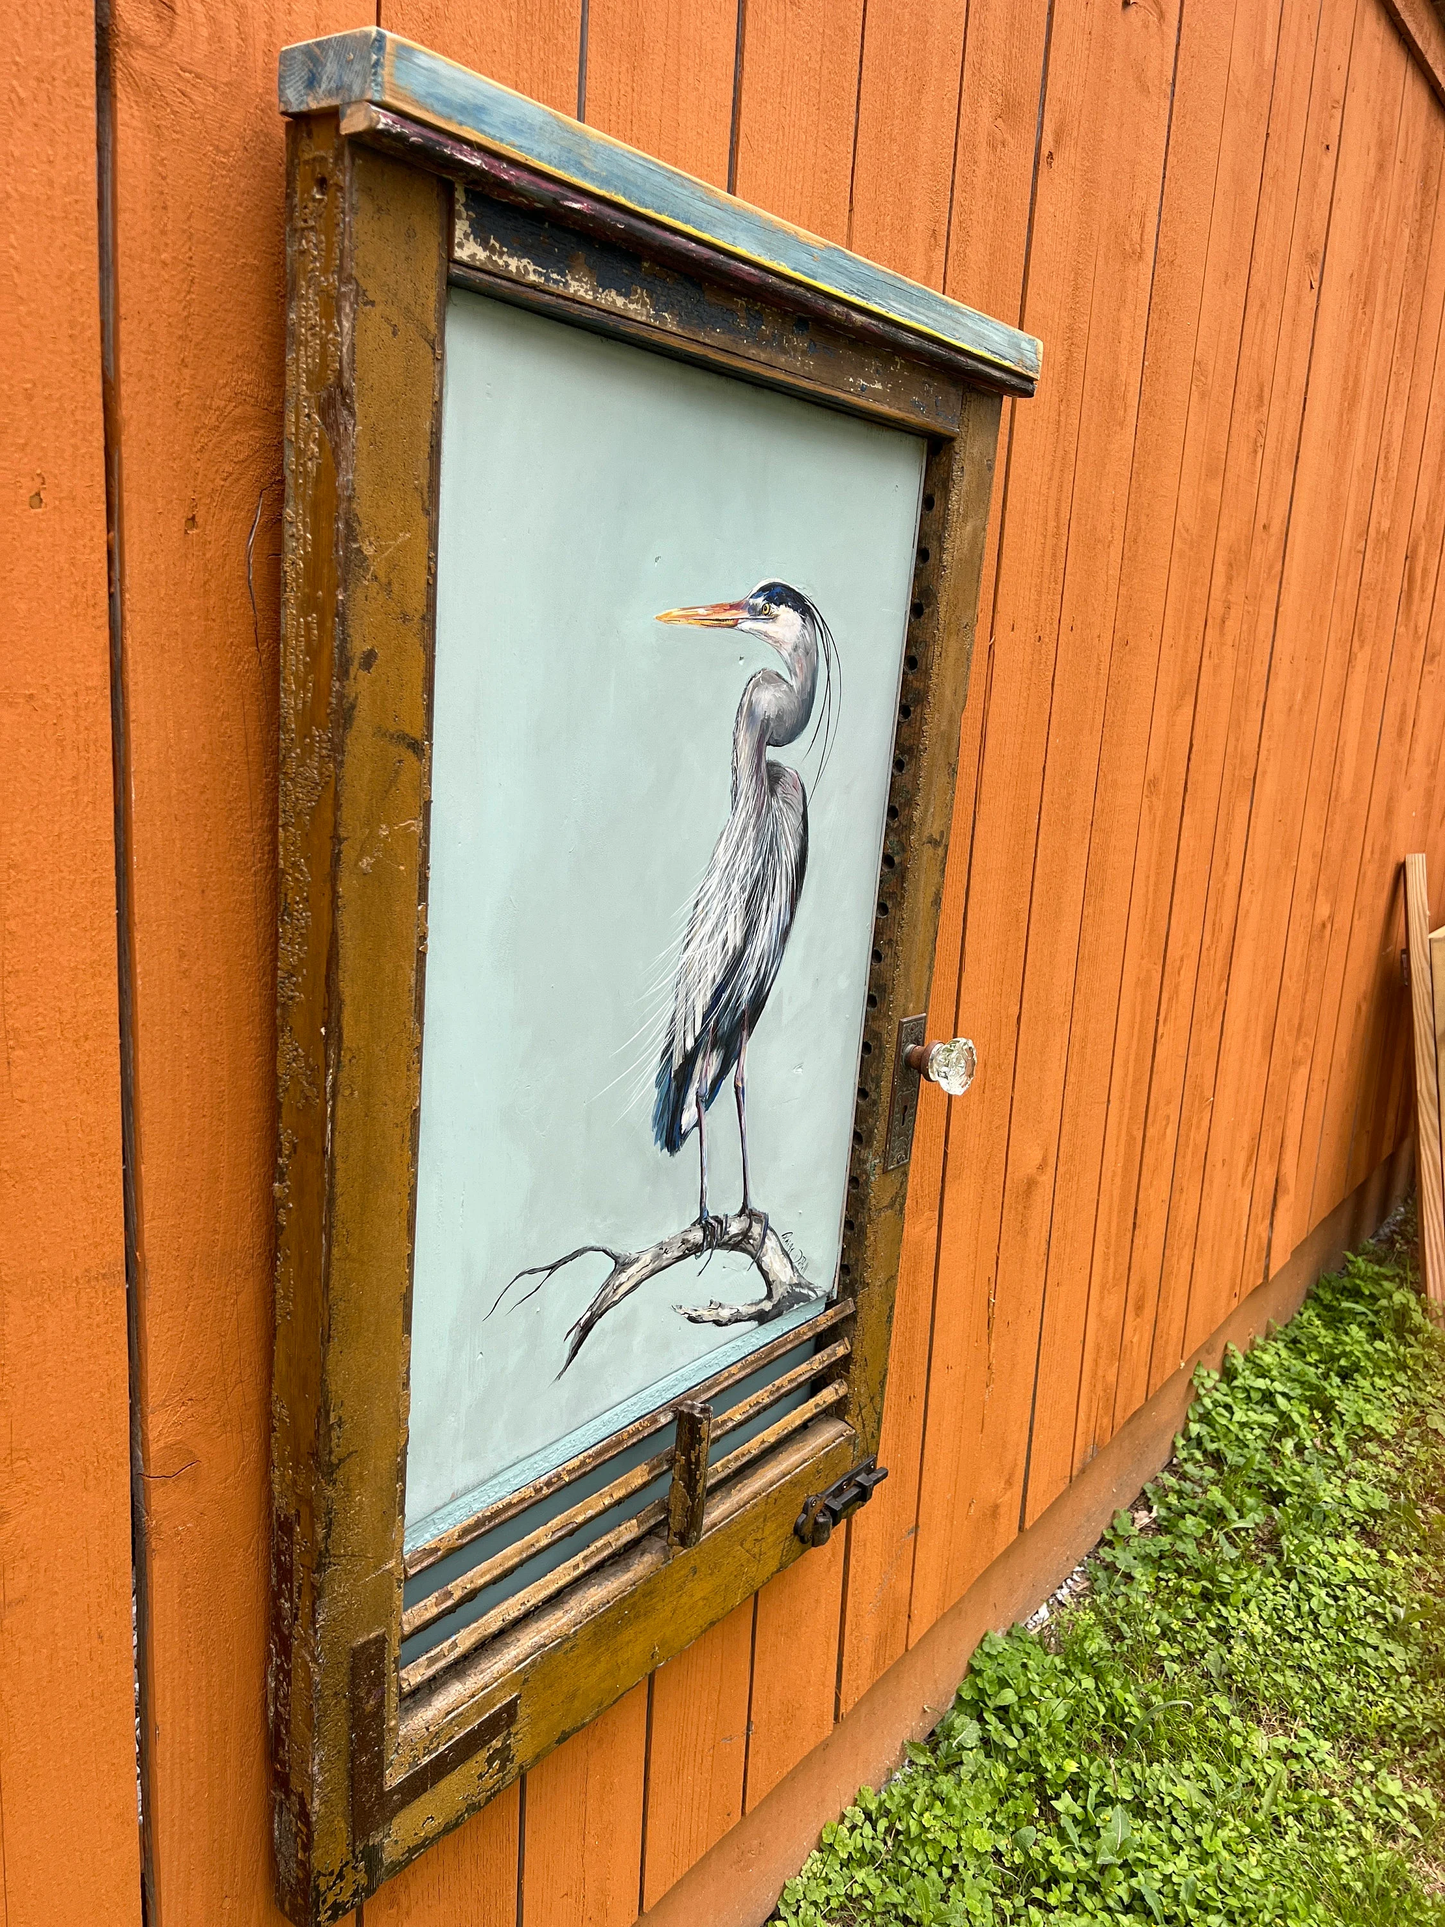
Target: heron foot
x,y
765,1225
713,1230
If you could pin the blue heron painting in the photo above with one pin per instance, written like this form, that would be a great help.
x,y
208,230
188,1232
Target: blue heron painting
x,y
736,937
743,911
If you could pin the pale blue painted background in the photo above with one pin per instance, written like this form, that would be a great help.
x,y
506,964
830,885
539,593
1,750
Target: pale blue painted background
x,y
580,778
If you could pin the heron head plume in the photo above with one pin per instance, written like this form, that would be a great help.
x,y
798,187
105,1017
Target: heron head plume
x,y
793,624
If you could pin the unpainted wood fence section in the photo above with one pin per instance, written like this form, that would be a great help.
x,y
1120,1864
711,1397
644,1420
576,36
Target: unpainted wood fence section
x,y
1204,725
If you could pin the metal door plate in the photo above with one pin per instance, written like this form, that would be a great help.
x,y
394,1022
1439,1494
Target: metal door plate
x,y
903,1104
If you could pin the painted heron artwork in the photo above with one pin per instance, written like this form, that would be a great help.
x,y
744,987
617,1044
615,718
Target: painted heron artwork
x,y
652,850
737,932
743,912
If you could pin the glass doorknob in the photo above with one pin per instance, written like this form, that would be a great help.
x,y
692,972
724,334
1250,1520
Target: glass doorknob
x,y
950,1066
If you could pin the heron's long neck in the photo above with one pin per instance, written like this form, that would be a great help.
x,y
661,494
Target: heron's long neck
x,y
774,710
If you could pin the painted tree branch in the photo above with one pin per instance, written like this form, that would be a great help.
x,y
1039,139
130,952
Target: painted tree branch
x,y
746,1232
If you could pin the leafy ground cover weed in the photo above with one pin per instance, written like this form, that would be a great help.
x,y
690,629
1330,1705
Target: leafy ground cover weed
x,y
1243,1719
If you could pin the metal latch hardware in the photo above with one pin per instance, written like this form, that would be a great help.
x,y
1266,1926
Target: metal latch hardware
x,y
824,1510
951,1066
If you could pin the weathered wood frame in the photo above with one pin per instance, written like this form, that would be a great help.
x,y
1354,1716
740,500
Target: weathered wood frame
x,y
405,173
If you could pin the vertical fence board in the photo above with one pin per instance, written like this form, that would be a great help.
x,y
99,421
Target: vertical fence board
x,y
1064,1007
1210,201
583,1848
1039,479
532,45
1195,315
659,74
1274,363
1106,72
793,1697
1263,434
908,97
1215,816
201,299
1196,969
1372,978
1219,1252
1284,1171
697,1750
992,191
797,100
67,1741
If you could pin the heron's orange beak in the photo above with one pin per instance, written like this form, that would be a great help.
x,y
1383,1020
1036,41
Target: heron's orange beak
x,y
708,615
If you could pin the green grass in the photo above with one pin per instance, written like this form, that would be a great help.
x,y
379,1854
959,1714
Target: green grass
x,y
1243,1721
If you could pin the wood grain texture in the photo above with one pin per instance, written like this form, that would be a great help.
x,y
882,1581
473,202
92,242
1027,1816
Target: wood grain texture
x,y
792,1708
1422,28
908,97
1345,699
584,1824
201,293
1241,450
659,75
1195,298
1314,960
1401,633
533,46
1289,234
991,199
1372,992
1080,876
1357,318
67,1746
797,97
1386,1103
1201,746
1088,223
697,1750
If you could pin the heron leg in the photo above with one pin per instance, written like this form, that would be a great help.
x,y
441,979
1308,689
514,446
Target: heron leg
x,y
711,1229
740,1092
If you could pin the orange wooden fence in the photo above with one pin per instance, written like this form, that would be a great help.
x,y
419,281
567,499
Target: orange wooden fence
x,y
1206,714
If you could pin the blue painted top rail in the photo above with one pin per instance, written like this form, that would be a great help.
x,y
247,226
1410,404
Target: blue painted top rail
x,y
371,65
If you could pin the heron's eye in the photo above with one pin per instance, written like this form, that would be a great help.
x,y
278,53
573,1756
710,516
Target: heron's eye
x,y
767,609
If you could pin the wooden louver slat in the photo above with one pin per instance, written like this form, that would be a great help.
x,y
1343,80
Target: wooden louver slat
x,y
490,1572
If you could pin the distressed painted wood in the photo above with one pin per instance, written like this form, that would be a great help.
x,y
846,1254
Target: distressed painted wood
x,y
372,65
373,1764
531,46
